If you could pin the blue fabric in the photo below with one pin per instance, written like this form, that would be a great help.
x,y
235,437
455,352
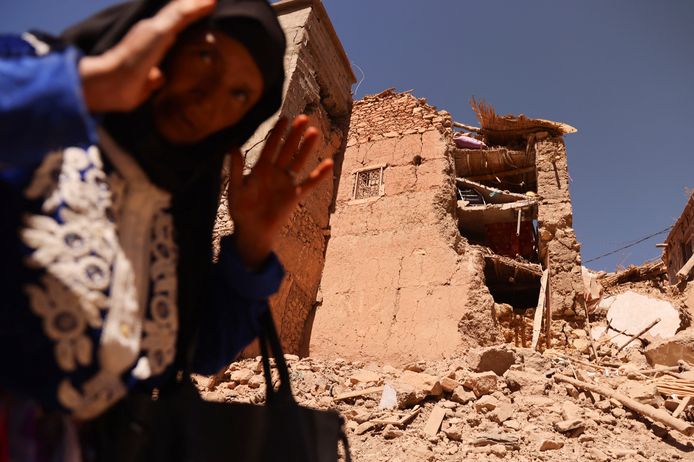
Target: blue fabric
x,y
239,299
42,109
41,103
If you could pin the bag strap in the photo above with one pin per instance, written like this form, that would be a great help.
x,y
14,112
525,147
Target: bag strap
x,y
268,336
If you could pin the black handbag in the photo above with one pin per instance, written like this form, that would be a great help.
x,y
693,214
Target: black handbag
x,y
178,425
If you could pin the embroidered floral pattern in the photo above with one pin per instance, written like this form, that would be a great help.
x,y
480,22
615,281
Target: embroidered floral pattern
x,y
76,242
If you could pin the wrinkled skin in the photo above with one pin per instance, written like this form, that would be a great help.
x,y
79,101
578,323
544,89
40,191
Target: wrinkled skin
x,y
194,101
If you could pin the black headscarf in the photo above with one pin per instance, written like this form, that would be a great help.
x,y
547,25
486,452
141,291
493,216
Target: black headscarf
x,y
191,173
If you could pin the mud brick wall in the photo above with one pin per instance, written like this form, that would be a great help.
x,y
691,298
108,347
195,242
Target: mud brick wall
x,y
396,279
680,241
558,242
319,79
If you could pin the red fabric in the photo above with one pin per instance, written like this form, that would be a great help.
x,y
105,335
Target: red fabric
x,y
502,239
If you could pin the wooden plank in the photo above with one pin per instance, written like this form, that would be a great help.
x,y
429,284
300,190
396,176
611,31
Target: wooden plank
x,y
357,393
492,176
537,321
686,271
435,419
683,404
657,415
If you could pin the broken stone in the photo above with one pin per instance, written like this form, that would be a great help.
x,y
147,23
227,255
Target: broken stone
x,y
486,404
486,439
364,427
462,396
640,391
364,376
483,383
423,383
549,444
454,433
390,432
448,384
529,382
241,376
496,359
566,426
502,413
598,455
632,312
668,352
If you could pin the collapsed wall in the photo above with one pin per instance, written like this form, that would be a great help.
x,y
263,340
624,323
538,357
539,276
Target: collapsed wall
x,y
318,83
397,278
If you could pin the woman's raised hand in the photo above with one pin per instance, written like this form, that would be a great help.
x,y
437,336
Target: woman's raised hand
x,y
261,202
126,75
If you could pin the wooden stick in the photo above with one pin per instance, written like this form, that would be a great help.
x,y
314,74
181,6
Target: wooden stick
x,y
657,415
539,311
590,333
643,331
467,127
357,393
683,404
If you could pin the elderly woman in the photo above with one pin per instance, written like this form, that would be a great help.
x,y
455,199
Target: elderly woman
x,y
112,140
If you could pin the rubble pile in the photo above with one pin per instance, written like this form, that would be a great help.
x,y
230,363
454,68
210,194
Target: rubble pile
x,y
498,402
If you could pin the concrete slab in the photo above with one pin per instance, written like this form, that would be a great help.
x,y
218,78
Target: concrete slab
x,y
631,312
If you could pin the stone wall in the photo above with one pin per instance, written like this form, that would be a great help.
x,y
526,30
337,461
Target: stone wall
x,y
559,248
396,279
680,241
319,80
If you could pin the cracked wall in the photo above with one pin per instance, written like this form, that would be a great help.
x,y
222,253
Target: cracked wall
x,y
558,243
680,241
319,79
397,279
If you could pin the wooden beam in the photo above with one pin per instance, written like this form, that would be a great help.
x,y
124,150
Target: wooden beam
x,y
539,311
686,271
358,393
657,415
492,176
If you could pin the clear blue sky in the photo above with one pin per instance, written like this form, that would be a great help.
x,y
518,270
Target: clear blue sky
x,y
621,71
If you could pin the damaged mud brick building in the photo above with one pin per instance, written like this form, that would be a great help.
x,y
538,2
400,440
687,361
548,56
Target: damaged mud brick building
x,y
318,83
437,246
679,249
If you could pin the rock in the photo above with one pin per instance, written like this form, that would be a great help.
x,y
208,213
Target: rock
x,y
462,396
351,425
290,357
486,439
582,345
502,413
241,376
549,444
530,383
389,398
423,383
597,454
486,404
407,396
448,384
618,412
497,359
498,450
566,426
512,424
668,352
640,391
256,381
364,376
604,405
454,433
483,383
390,432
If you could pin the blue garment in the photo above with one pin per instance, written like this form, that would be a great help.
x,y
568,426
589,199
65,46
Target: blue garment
x,y
42,110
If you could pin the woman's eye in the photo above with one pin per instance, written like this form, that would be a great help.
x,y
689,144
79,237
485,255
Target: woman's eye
x,y
205,56
240,95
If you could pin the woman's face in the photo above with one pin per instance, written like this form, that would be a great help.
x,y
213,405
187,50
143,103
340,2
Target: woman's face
x,y
211,83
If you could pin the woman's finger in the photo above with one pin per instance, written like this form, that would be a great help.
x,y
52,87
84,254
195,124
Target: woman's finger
x,y
272,144
179,14
290,146
305,150
317,175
